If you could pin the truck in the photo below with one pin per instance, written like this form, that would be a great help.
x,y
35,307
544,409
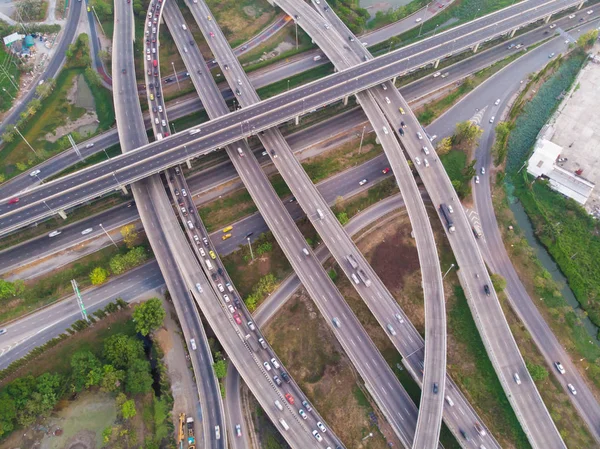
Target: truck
x,y
181,433
447,217
190,430
352,261
363,277
252,343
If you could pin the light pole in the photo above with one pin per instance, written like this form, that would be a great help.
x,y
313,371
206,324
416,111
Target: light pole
x,y
421,28
288,85
435,30
46,204
296,22
476,13
370,435
107,157
108,235
361,139
99,23
39,179
445,274
25,140
175,75
6,92
250,246
174,130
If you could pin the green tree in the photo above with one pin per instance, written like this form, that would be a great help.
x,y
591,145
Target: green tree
x,y
149,316
498,282
98,276
121,350
586,40
343,218
444,146
8,413
333,274
220,368
466,134
128,409
538,372
138,379
111,378
86,369
7,289
130,235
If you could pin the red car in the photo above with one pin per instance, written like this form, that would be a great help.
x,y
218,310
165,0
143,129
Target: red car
x,y
13,201
386,170
236,317
289,398
212,34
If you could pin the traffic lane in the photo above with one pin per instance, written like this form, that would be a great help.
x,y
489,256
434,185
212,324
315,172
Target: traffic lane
x,y
399,53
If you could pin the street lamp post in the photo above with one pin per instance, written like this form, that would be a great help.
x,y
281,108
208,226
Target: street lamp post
x,y
421,28
174,130
175,75
361,139
108,235
25,140
288,85
435,30
445,274
250,246
6,92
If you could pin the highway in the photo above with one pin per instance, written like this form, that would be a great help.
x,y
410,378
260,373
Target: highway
x,y
504,86
129,167
315,279
334,42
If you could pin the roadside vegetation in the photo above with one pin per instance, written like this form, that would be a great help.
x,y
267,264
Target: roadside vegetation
x,y
107,360
30,10
350,12
41,121
9,82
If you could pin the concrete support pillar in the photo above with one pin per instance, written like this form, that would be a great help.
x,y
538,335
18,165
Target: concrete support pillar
x,y
124,189
512,33
62,214
297,120
580,5
547,19
377,141
394,80
475,48
437,62
188,163
346,100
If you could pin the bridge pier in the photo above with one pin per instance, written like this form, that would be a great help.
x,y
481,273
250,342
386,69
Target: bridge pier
x,y
512,33
346,100
62,214
475,48
297,120
580,5
188,162
437,62
394,80
123,189
547,19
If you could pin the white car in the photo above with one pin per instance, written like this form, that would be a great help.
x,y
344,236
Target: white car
x,y
483,170
34,173
426,162
202,252
86,231
231,308
3,331
559,367
476,179
226,298
54,233
321,427
238,428
275,363
199,288
385,130
497,102
183,26
589,13
417,161
221,288
450,209
317,436
572,388
267,366
363,182
572,16
387,100
419,135
517,379
183,192
492,119
301,412
418,19
399,318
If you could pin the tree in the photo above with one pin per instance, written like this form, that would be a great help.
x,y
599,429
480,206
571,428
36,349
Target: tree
x,y
7,289
343,218
333,274
130,235
444,146
538,372
466,134
498,282
98,276
121,350
586,40
128,409
138,379
148,316
111,378
8,414
220,368
86,369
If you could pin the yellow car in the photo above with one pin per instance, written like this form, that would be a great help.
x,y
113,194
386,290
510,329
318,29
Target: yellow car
x,y
227,229
225,237
212,254
208,17
401,111
151,97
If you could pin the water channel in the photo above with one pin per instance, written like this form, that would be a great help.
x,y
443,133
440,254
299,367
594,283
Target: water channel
x,y
548,263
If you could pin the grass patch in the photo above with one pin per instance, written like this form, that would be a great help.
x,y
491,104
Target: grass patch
x,y
295,81
363,200
11,65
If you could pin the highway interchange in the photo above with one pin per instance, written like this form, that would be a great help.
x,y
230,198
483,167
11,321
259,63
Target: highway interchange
x,y
188,274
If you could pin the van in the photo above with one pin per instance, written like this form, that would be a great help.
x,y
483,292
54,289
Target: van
x,y
305,251
320,214
227,229
193,343
208,264
355,278
284,424
240,152
449,401
278,405
190,224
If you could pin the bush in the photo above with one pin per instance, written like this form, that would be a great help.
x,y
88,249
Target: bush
x,y
149,316
98,276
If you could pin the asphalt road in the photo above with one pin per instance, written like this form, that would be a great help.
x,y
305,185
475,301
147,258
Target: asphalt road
x,y
481,103
106,176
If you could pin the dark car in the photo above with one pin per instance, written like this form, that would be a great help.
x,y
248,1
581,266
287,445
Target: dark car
x,y
464,435
214,276
403,125
401,131
221,272
123,71
435,388
486,289
285,377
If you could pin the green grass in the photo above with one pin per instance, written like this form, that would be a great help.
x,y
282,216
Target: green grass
x,y
9,63
295,81
375,194
483,385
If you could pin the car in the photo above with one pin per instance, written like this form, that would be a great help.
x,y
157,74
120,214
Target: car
x,y
238,430
183,192
89,145
225,297
497,102
572,389
302,413
518,46
492,119
435,388
476,179
123,71
444,75
205,241
486,289
417,161
552,26
275,363
212,254
34,173
212,34
479,428
199,288
289,398
148,49
464,434
160,109
251,326
387,100
401,131
517,378
419,135
321,427
284,375
86,231
307,406
551,55
403,125
13,201
2,331
208,18
152,98
418,19
450,209
426,162
363,182
231,308
183,27
399,318
559,367
385,130
236,317
317,436
572,16
220,287
351,38
55,233
267,366
391,329
386,170
277,381
326,25
590,12
426,151
401,111
483,170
